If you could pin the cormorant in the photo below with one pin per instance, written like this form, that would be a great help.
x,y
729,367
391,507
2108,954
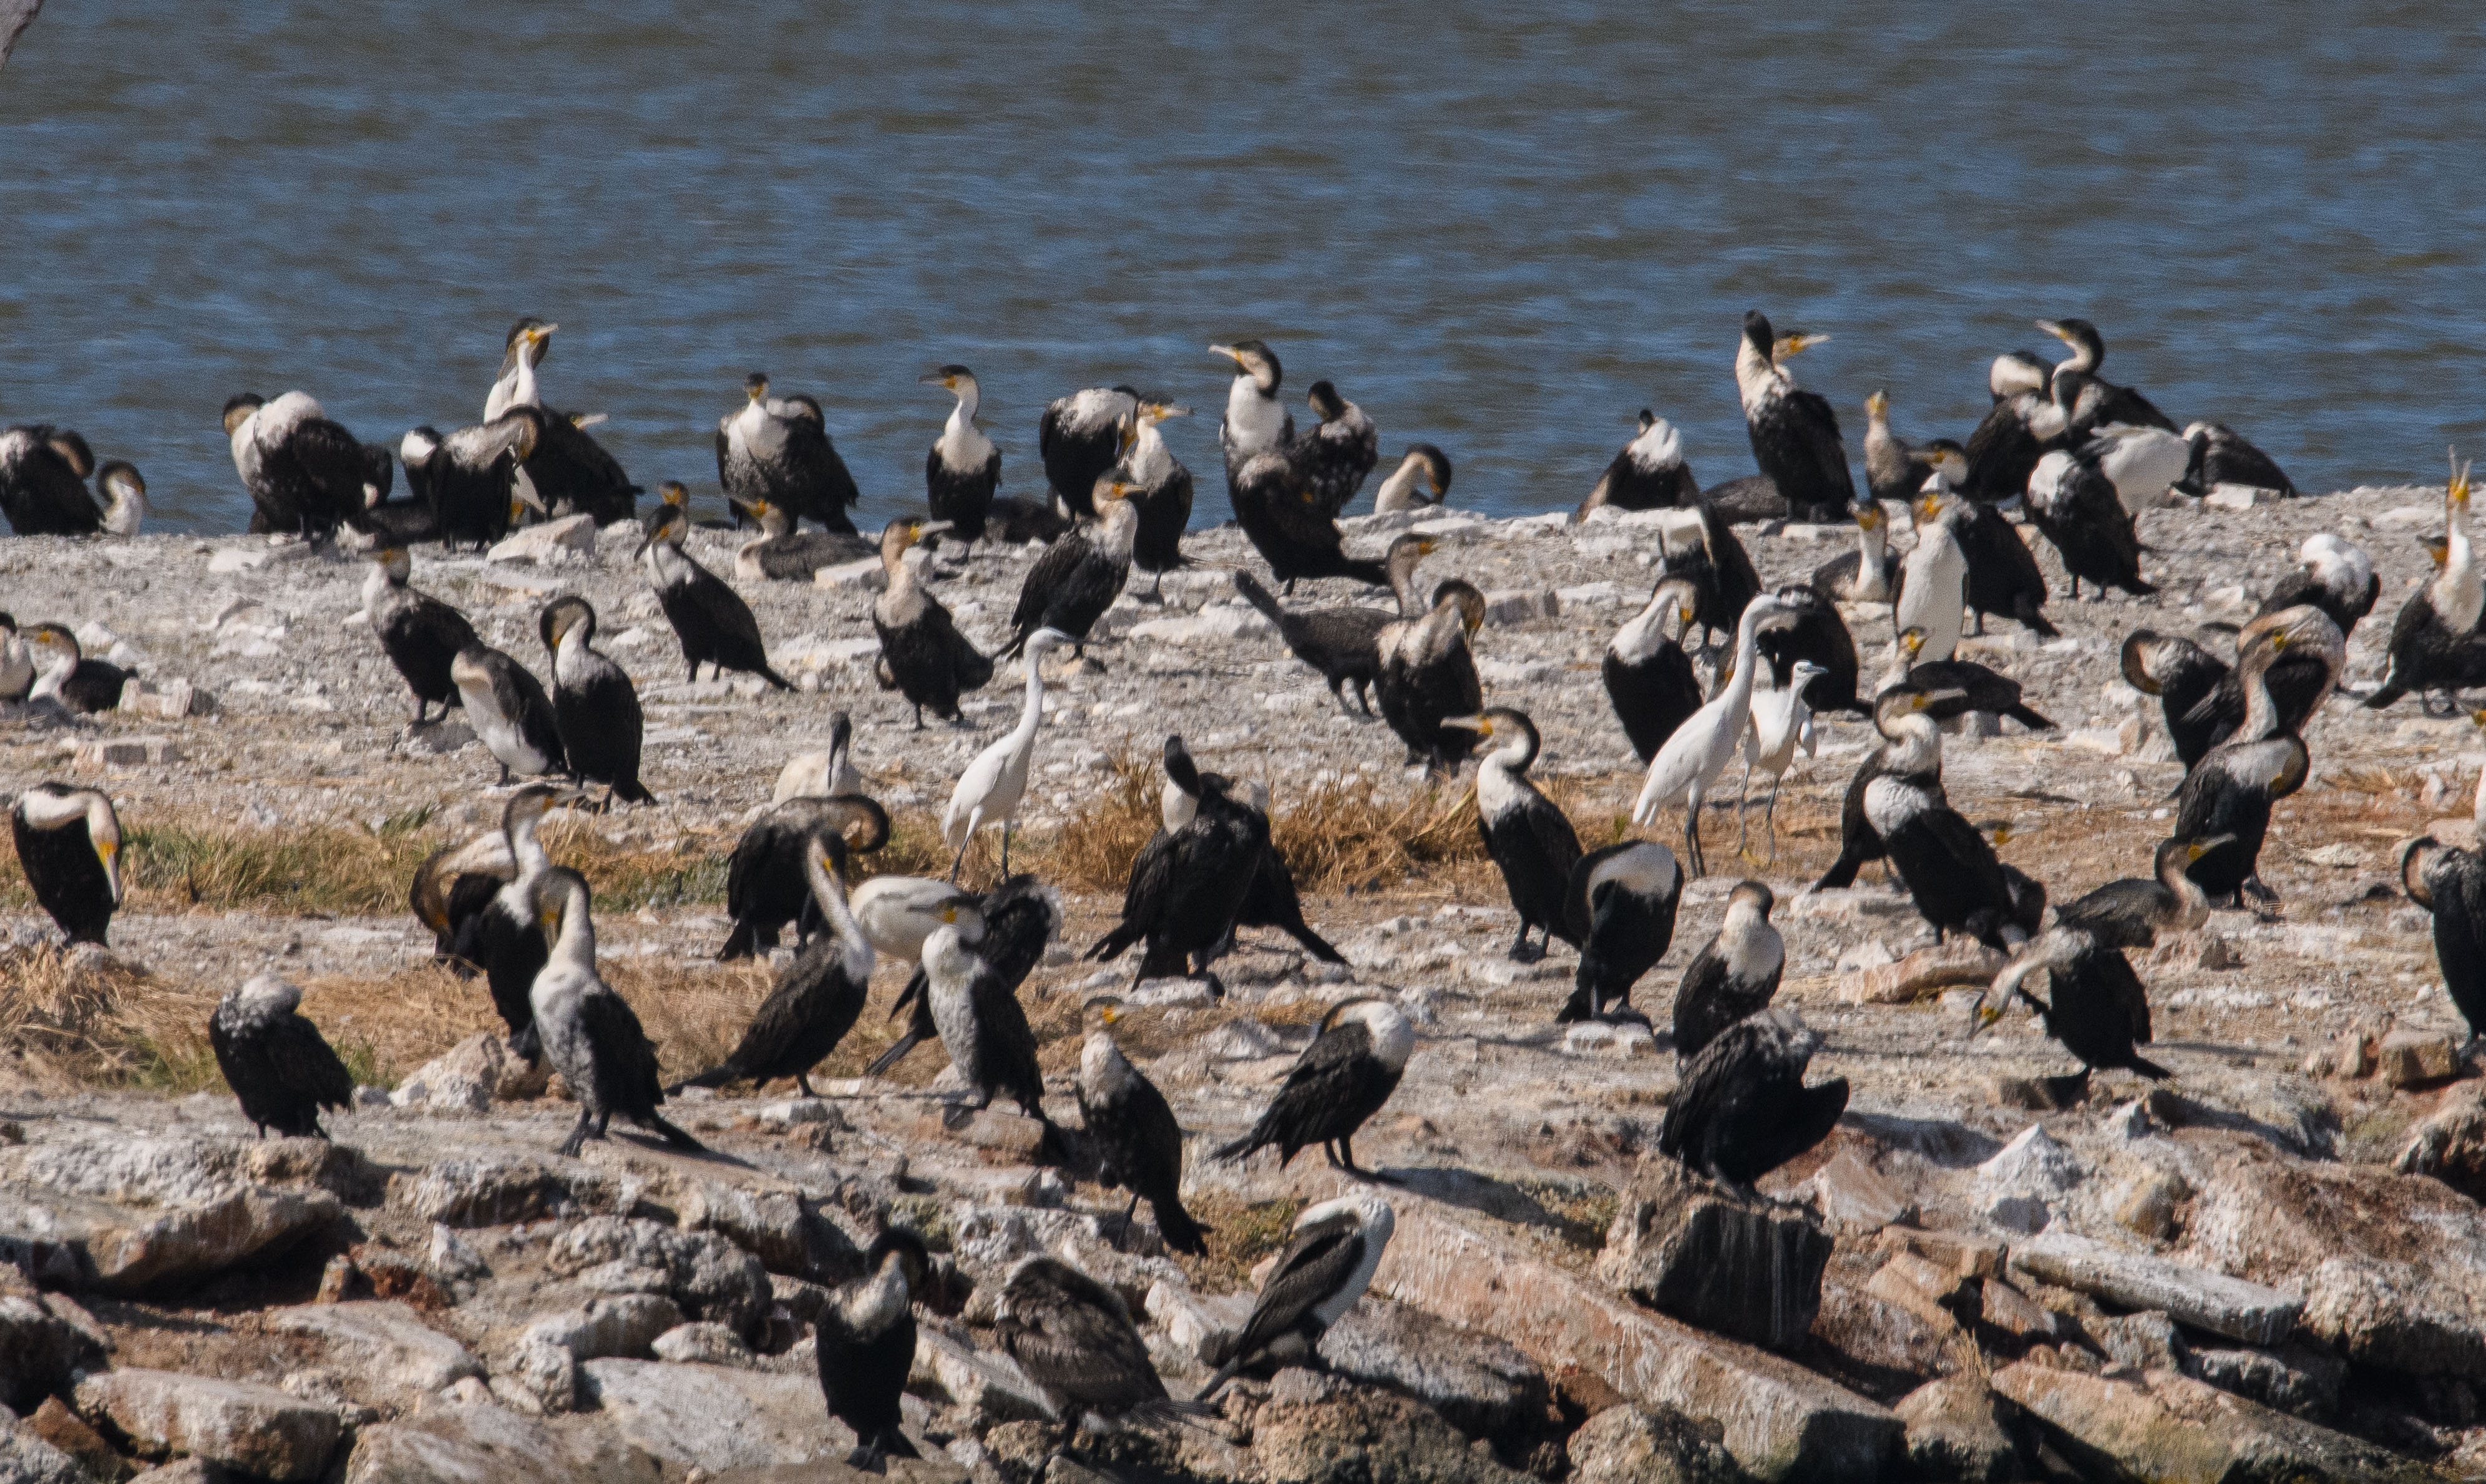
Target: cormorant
x,y
1949,867
1698,545
1649,677
63,670
1811,630
1343,642
43,483
1421,480
566,470
2300,680
1073,1337
712,622
1649,474
507,706
1621,903
1139,1145
304,473
2074,504
1158,487
1080,439
782,553
818,775
1782,726
922,655
2020,428
2333,575
125,492
1256,420
1020,916
766,881
963,469
454,886
975,1006
2429,646
1741,1109
866,1338
2449,882
503,940
1932,589
1529,838
1735,973
1284,522
17,665
1906,715
988,793
2181,675
1337,454
591,1035
2002,575
1868,575
421,635
1699,750
1341,1080
594,703
1078,577
1964,685
2141,463
470,476
1189,881
2101,402
2130,914
2219,454
2095,1005
1328,1263
522,350
1429,675
1272,900
778,449
819,998
2230,790
1891,469
1794,432
68,847
279,1066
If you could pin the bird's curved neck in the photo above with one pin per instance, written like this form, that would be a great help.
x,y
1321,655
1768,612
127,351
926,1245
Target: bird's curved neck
x,y
832,898
2261,713
54,673
1738,693
1402,583
1514,755
1030,718
525,849
1915,745
1645,633
962,417
1756,376
2191,903
575,948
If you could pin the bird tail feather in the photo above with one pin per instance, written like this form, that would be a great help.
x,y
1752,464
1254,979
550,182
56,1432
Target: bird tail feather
x,y
2027,718
896,1053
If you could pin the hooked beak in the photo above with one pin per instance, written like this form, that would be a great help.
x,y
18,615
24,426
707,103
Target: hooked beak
x,y
1981,1017
110,852
1111,1015
1476,724
1158,412
936,380
2056,330
1229,352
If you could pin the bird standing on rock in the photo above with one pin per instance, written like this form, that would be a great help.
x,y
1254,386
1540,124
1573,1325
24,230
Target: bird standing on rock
x,y
2096,1007
1428,674
1529,836
779,449
281,1069
1078,577
1794,432
867,1337
1734,974
983,1027
1649,678
1327,1265
1340,1081
711,619
1074,1338
1138,1143
1741,1109
2449,882
507,706
1343,642
963,469
922,655
1621,904
594,703
1187,882
819,998
591,1035
504,939
766,885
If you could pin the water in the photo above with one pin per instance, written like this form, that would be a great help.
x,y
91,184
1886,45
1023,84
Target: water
x,y
1501,232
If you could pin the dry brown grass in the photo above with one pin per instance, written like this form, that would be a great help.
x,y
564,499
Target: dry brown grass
x,y
66,1014
1240,1234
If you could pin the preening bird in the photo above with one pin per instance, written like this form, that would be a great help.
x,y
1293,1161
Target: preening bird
x,y
594,703
2300,680
1741,1107
2130,913
1781,726
43,483
1959,686
821,773
507,706
988,793
1649,678
63,673
68,847
305,473
454,886
711,619
2141,463
504,939
1529,836
1328,1264
963,469
1080,438
819,998
1343,642
1620,902
279,1066
2075,506
1337,454
1812,631
591,1035
1256,420
782,553
2218,455
866,1338
1429,675
2021,428
1340,1081
1689,763
1079,576
766,882
1282,517
125,497
1794,432
1649,474
2232,790
1138,1144
421,635
1074,1338
1735,975
2100,401
2095,1006
471,478
1188,882
1422,478
1699,546
522,350
922,655
778,449
16,661
2333,574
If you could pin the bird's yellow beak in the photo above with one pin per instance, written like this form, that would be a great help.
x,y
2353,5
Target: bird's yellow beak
x,y
1870,516
1687,612
1427,546
1229,352
1878,403
1918,702
2002,834
949,914
2279,640
2195,850
1112,1015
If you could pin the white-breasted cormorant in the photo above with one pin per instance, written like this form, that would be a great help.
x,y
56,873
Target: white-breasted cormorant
x,y
2430,637
470,476
1282,520
779,449
1080,439
1868,575
1343,642
963,469
1256,420
1158,487
819,998
782,553
1931,595
2333,574
975,1006
1949,868
766,885
1648,473
1072,1336
1741,1109
2100,401
2130,912
1622,903
1079,576
1337,454
2449,882
1429,675
1905,715
1328,1262
2074,504
1811,630
1340,1081
454,886
2002,575
1700,750
865,1339
922,655
63,671
988,793
43,483
279,1066
1019,918
1421,480
1188,882
507,706
591,1035
1891,469
2232,790
2218,455
1960,686
125,497
1132,1129
594,703
1529,836
1781,726
1735,973
2016,433
1700,546
68,847
421,635
503,940
1649,678
1794,432
2094,1005
2141,463
522,350
304,471
712,622
16,661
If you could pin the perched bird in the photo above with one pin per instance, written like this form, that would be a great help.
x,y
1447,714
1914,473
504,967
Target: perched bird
x,y
766,881
1282,517
1429,675
1741,1109
1811,632
2218,455
963,469
2334,575
1621,903
1271,900
782,553
591,1035
2002,575
2430,637
989,791
819,775
16,661
125,497
507,706
1700,750
594,703
2232,790
922,655
421,635
2449,882
1949,867
1734,974
43,483
901,915
1072,1336
975,1006
1339,451
712,622
2141,463
2021,428
1188,882
1933,591
1794,432
1079,576
1157,486
1138,1143
778,449
1906,715
1422,478
1891,469
2130,914
2300,680
1340,1081
1256,420
1648,473
279,1066
1962,685
1699,546
1529,836
64,672
304,473
1328,1262
866,1338
2096,1007
1343,642
68,847
522,350
1649,678
1782,726
1868,575
2074,506
503,939
819,998
1080,439
471,477
2100,401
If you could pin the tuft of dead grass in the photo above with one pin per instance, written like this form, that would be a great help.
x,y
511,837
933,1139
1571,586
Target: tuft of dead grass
x,y
1095,848
1240,1233
66,1012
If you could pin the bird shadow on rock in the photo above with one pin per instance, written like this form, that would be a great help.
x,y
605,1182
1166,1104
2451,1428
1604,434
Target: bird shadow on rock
x,y
1939,1140
1483,1195
645,1144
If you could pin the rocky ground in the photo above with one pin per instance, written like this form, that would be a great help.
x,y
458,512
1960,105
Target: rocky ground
x,y
2266,1269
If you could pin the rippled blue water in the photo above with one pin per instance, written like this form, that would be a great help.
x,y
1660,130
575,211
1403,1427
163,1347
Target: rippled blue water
x,y
1500,229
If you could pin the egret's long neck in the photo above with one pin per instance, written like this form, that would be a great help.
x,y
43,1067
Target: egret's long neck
x,y
1738,694
1034,715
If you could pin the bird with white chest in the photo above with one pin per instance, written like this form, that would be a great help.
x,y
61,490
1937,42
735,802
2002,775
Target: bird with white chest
x,y
1529,836
990,792
1328,1264
1782,726
1690,762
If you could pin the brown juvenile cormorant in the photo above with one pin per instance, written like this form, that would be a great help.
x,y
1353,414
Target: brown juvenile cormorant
x,y
1132,1129
1621,903
712,622
778,449
2130,913
591,1035
279,1066
1794,432
1741,1109
1338,454
922,655
593,702
963,469
1073,1337
1080,439
1648,473
1529,838
68,847
819,998
1649,677
421,635
1734,974
1341,1080
1328,1263
1891,469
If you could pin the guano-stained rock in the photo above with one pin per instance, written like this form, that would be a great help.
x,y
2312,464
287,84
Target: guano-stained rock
x,y
1482,1385
2154,1425
2197,1297
488,1444
386,1345
707,1417
80,1243
1748,1270
1954,1434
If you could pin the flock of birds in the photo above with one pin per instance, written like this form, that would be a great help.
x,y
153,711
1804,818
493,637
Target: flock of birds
x,y
1713,665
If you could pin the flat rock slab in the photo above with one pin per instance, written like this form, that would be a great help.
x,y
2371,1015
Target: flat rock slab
x,y
385,1345
2164,1427
496,1192
1749,1269
707,1417
84,1242
488,1444
1482,1385
253,1429
2193,1296
1925,972
1781,1421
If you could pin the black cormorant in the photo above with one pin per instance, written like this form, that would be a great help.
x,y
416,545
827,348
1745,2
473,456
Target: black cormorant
x,y
503,940
304,473
454,886
68,847
43,484
1700,547
778,449
2100,401
922,655
1734,974
1868,575
2018,430
1080,439
1138,1144
1343,642
470,476
62,670
1422,478
1949,867
1741,1109
2333,574
1794,432
2221,455
125,497
1962,685
1272,900
819,998
2130,912
1621,903
1811,630
1649,474
2074,504
1341,1080
421,635
767,883
2232,790
593,702
2095,1005
507,706
1337,454
712,622
1073,1337
2300,680
1284,522
1078,577
782,553
2181,675
1649,677
1188,882
963,469
279,1066
591,1035
974,1004
1158,486
2449,882
1429,675
1256,420
1328,1263
1529,838
865,1339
